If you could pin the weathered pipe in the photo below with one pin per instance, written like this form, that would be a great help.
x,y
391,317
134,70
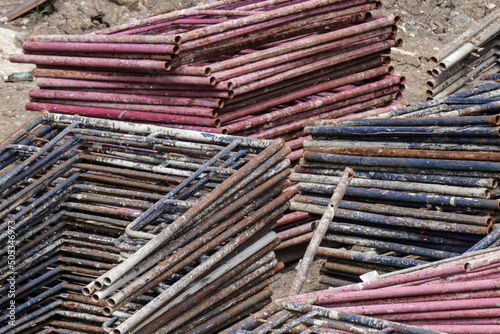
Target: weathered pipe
x,y
168,90
394,185
358,319
101,47
443,268
391,246
393,220
170,82
296,45
125,98
176,110
285,125
407,212
128,64
306,106
320,231
122,114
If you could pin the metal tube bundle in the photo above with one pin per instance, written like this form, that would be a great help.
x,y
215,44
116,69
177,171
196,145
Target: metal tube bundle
x,y
292,317
482,99
456,295
84,198
425,189
240,67
462,61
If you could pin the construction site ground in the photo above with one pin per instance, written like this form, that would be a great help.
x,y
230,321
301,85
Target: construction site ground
x,y
426,26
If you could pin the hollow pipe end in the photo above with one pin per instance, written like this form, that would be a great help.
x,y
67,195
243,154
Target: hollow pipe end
x,y
208,71
399,42
176,50
177,39
86,291
106,311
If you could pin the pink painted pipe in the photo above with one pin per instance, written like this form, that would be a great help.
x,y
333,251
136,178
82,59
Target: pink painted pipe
x,y
473,274
138,87
466,304
122,115
101,47
465,329
309,105
292,217
200,94
161,57
440,270
295,241
421,290
446,315
297,143
295,155
170,23
170,81
125,98
295,231
134,39
188,111
478,321
429,298
128,64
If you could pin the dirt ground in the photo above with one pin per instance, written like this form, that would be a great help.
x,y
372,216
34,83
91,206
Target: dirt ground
x,y
426,25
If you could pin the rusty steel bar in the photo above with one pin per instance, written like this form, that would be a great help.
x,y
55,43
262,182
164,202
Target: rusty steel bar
x,y
320,231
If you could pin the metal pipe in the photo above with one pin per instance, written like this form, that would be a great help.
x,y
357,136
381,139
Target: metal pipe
x,y
320,231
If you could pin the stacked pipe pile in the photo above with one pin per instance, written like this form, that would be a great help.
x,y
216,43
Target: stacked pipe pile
x,y
475,101
458,295
292,317
250,67
82,198
424,189
463,61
